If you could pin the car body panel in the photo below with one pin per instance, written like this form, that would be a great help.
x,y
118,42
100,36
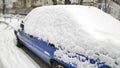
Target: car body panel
x,y
40,48
43,50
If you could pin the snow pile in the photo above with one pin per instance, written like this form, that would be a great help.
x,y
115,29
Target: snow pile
x,y
10,55
78,32
14,23
12,20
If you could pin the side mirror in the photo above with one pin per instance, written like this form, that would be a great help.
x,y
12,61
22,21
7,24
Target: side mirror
x,y
22,26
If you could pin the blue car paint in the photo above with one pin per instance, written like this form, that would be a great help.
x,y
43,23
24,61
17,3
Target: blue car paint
x,y
44,51
39,47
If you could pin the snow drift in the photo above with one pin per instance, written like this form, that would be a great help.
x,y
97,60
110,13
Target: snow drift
x,y
77,30
10,55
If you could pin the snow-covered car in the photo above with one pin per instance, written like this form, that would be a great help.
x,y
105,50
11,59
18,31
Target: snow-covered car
x,y
72,36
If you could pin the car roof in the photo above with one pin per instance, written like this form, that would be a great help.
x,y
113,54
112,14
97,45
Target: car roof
x,y
91,19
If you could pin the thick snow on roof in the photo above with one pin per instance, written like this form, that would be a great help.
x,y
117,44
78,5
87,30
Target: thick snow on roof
x,y
77,30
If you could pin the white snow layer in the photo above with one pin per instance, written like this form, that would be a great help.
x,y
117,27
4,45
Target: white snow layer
x,y
13,20
78,29
10,55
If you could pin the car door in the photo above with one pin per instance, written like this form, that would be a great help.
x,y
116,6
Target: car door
x,y
42,48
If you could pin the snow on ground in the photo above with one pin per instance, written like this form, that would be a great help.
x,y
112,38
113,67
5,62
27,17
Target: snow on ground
x,y
15,23
77,30
13,20
10,55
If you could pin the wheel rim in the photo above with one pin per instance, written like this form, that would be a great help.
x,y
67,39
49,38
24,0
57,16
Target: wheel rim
x,y
59,66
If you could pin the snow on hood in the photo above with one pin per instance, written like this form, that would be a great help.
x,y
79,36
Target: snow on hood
x,y
78,30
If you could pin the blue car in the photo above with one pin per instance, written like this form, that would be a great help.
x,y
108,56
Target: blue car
x,y
46,49
42,49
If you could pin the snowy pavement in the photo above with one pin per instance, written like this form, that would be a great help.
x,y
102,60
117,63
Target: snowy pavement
x,y
12,21
10,55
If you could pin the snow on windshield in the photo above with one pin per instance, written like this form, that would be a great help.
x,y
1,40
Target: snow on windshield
x,y
10,55
77,30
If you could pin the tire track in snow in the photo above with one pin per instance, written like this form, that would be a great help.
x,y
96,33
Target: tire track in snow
x,y
3,24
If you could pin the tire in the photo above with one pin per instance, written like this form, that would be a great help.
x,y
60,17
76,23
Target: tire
x,y
19,44
57,65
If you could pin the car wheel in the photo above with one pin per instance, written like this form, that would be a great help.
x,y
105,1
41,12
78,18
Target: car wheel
x,y
57,65
19,44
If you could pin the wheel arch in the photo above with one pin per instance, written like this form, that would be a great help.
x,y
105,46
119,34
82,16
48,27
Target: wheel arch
x,y
57,61
51,61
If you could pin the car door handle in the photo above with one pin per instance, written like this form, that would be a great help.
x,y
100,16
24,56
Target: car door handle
x,y
46,53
